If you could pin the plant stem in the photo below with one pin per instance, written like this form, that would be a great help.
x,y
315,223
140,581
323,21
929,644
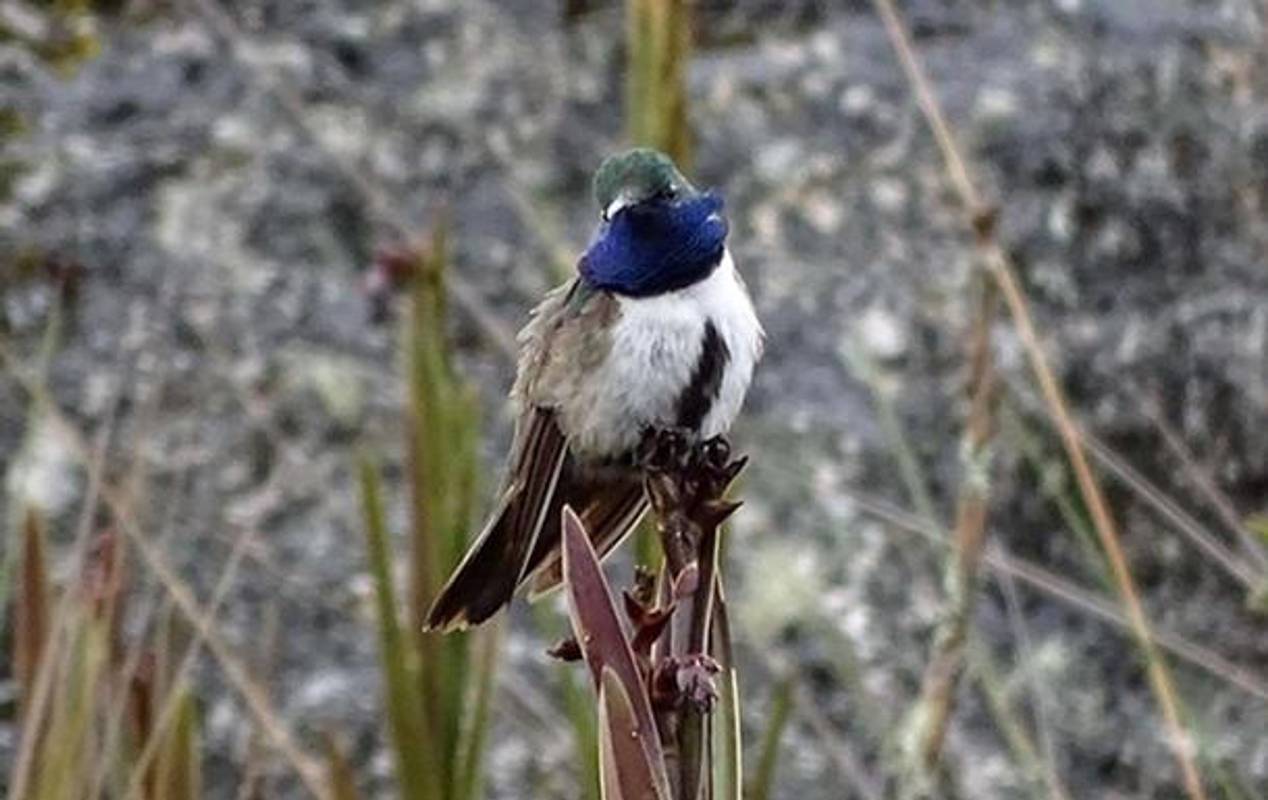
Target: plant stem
x,y
937,697
1002,273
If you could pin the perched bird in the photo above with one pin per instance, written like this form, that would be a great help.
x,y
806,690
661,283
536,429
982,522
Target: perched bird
x,y
656,331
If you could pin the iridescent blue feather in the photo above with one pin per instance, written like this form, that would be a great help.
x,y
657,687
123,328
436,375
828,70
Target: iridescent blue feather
x,y
653,248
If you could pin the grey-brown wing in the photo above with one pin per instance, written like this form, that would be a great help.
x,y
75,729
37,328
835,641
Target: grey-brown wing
x,y
564,335
565,341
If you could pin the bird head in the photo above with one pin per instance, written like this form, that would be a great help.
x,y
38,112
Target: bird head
x,y
658,232
638,177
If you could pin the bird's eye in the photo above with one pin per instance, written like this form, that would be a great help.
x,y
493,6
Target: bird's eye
x,y
668,193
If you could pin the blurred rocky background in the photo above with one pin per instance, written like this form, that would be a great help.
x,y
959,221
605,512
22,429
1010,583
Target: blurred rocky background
x,y
192,193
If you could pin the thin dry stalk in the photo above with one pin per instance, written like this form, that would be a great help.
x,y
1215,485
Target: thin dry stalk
x,y
1002,272
1015,736
1047,744
1106,528
343,780
1072,595
125,705
256,700
235,672
1202,539
937,697
255,761
172,703
1205,483
1079,598
847,762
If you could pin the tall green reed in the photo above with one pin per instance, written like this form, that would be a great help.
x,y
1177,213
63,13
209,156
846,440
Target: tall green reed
x,y
658,40
437,689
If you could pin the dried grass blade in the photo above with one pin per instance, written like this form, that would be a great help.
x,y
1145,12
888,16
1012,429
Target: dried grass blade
x,y
159,687
342,779
235,673
1002,273
30,612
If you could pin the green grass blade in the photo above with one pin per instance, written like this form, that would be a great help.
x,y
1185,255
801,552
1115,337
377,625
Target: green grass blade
x,y
415,768
476,732
658,40
443,468
64,757
427,438
179,764
458,678
577,706
443,476
423,348
726,746
763,781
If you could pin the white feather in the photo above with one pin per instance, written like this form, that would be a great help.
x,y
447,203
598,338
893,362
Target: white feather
x,y
656,344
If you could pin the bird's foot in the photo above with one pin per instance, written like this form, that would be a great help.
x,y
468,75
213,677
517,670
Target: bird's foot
x,y
713,453
682,450
688,475
666,449
713,469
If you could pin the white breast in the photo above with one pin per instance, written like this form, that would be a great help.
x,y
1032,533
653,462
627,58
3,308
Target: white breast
x,y
732,313
655,348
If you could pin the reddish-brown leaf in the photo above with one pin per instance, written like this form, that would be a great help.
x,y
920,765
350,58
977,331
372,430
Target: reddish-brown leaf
x,y
597,626
625,771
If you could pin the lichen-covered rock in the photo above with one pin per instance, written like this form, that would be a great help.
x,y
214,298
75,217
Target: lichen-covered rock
x,y
219,247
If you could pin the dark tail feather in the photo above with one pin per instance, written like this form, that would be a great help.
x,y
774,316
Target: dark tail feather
x,y
609,515
493,567
486,578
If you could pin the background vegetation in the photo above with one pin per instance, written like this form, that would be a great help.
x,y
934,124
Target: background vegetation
x,y
260,265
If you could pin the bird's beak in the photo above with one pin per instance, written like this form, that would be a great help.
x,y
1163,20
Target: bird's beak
x,y
622,201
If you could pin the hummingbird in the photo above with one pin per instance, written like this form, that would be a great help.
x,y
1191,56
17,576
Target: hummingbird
x,y
656,331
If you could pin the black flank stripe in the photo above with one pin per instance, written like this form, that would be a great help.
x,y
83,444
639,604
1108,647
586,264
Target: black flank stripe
x,y
696,400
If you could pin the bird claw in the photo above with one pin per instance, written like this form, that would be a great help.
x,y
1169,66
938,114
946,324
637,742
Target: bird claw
x,y
681,449
685,472
713,454
666,449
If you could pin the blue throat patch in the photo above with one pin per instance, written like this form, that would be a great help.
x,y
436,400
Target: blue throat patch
x,y
657,247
